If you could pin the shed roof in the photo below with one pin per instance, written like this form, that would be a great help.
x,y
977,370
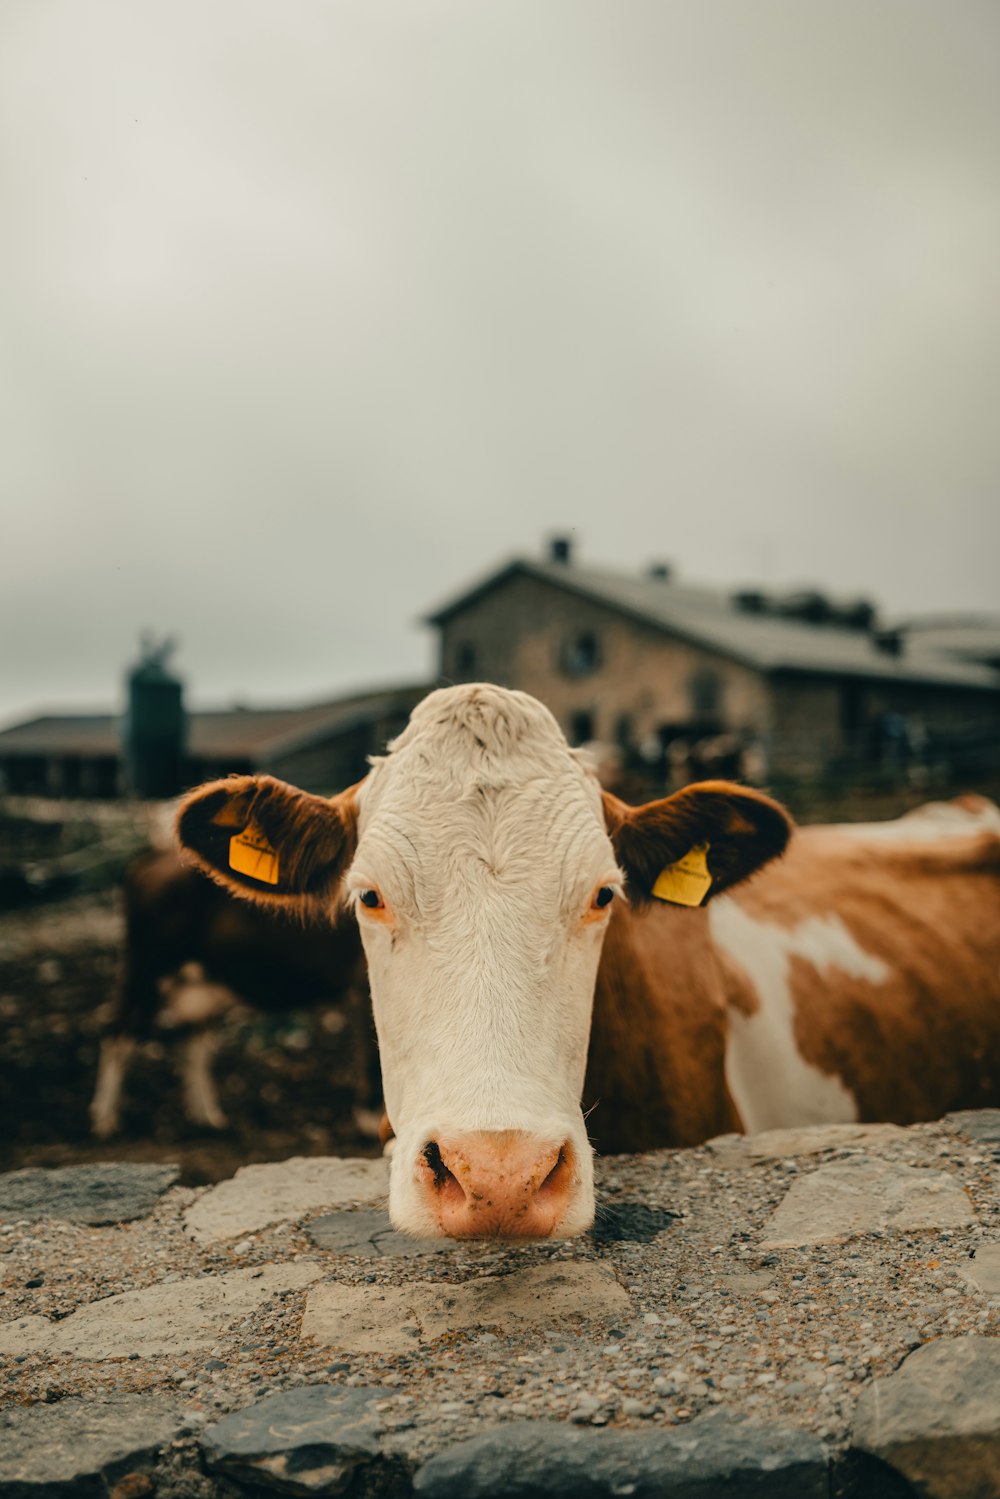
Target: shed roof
x,y
711,617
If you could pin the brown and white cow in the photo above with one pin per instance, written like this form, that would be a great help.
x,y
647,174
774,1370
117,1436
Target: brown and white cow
x,y
194,959
507,912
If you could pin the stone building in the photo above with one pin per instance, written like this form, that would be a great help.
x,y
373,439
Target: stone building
x,y
794,684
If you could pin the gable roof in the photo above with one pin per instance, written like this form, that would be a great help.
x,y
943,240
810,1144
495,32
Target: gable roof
x,y
255,734
711,618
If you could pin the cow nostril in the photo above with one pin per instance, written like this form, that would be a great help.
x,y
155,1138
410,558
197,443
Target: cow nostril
x,y
558,1178
442,1176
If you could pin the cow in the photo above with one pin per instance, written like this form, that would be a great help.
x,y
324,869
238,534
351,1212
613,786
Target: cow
x,y
193,957
510,910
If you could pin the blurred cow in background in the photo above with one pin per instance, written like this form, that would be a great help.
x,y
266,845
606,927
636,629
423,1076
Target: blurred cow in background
x,y
195,959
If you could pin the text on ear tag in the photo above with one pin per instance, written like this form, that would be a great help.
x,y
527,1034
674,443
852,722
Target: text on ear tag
x,y
250,853
687,882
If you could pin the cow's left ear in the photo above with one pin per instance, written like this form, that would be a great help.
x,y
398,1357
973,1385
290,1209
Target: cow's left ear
x,y
267,841
696,843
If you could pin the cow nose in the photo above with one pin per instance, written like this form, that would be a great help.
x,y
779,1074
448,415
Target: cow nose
x,y
497,1184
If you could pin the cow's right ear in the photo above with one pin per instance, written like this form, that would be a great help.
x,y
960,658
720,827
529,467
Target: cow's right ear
x,y
266,841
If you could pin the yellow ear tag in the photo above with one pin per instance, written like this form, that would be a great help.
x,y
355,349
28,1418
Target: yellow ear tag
x,y
250,853
687,882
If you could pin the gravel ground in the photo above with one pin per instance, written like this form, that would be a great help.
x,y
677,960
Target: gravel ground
x,y
793,1335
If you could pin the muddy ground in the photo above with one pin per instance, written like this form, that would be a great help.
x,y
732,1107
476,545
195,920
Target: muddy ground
x,y
286,1084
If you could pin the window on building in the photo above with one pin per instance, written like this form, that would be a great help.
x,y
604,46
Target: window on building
x,y
706,693
581,726
581,654
624,731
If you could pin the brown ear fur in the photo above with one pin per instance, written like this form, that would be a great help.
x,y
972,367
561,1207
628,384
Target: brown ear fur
x,y
743,829
313,837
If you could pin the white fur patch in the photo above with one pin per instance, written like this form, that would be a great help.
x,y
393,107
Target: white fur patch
x,y
771,1083
485,838
932,820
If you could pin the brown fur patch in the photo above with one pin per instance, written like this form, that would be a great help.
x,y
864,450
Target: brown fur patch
x,y
926,1039
656,1073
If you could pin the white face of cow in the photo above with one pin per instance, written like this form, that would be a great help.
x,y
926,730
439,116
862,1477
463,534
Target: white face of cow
x,y
477,858
482,883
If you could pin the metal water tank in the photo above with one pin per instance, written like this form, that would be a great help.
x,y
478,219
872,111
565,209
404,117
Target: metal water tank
x,y
154,728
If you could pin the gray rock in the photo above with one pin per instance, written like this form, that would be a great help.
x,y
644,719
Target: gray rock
x,y
978,1124
714,1454
105,1192
178,1317
396,1319
860,1196
306,1441
81,1448
369,1234
812,1139
984,1270
283,1191
936,1420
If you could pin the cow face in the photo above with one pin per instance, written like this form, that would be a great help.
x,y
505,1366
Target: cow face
x,y
482,865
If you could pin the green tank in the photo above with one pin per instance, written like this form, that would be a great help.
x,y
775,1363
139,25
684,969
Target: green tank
x,y
154,726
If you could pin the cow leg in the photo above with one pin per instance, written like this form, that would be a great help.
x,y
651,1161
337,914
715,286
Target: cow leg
x,y
201,1100
105,1109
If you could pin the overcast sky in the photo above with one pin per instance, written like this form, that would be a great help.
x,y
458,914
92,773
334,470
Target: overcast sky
x,y
311,313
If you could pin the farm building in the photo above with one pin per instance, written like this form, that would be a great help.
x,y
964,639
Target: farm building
x,y
322,747
792,685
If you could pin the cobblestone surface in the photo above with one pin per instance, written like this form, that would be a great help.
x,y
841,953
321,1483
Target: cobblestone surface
x,y
705,1317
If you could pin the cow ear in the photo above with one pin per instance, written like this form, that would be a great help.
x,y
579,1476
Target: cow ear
x,y
265,840
696,843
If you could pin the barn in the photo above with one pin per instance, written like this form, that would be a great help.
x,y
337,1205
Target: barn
x,y
319,747
802,684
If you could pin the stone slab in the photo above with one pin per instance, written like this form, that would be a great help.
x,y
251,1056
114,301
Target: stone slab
x,y
306,1441
281,1191
177,1317
82,1448
779,1144
396,1319
369,1235
982,1125
104,1192
936,1420
858,1196
984,1270
713,1455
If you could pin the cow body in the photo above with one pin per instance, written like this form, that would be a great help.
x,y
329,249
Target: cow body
x,y
510,910
856,978
193,956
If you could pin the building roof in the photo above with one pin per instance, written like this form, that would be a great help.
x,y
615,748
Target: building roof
x,y
712,618
255,734
970,637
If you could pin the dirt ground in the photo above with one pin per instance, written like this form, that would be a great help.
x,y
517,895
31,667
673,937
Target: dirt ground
x,y
286,1084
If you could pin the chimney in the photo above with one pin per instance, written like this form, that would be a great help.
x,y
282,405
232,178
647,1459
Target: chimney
x,y
889,642
660,570
561,550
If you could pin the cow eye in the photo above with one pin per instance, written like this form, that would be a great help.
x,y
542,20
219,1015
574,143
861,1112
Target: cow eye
x,y
604,897
371,899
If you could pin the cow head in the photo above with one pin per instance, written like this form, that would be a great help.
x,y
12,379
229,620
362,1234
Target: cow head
x,y
483,865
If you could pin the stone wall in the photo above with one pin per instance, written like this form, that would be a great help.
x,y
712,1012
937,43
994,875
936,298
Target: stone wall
x,y
808,1313
521,635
